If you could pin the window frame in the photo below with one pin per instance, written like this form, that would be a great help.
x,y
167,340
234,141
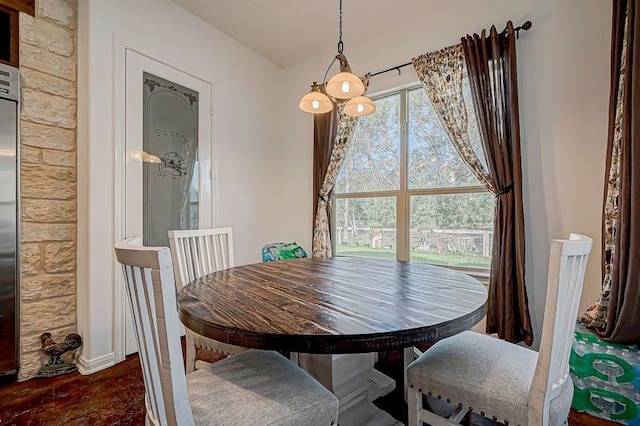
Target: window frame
x,y
403,194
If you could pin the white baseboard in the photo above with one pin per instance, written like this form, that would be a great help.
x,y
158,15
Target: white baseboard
x,y
90,366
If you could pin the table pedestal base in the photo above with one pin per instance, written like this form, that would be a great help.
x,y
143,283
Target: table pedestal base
x,y
356,384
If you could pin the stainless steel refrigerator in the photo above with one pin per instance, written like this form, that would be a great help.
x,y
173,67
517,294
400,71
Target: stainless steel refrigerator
x,y
9,270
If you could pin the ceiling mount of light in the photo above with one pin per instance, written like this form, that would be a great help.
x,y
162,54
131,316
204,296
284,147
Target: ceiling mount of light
x,y
344,86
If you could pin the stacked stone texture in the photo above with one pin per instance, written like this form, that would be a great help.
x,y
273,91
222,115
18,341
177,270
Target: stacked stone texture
x,y
48,59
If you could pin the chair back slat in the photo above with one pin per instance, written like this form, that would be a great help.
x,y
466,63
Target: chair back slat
x,y
209,253
203,254
150,370
567,265
148,274
198,252
560,370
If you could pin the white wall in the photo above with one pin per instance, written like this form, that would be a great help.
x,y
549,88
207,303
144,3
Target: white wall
x,y
563,66
247,130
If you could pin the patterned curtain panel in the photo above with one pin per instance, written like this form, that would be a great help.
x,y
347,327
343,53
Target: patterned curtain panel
x,y
441,74
321,228
491,65
616,315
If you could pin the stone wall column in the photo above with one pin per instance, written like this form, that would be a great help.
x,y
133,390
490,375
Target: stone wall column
x,y
48,60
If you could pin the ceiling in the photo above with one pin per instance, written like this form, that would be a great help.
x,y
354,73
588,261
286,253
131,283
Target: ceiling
x,y
289,31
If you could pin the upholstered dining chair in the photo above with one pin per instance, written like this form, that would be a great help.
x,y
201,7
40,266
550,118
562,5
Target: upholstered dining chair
x,y
254,387
195,253
500,380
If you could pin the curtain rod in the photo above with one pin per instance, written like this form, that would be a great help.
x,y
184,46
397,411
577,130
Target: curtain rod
x,y
526,26
397,67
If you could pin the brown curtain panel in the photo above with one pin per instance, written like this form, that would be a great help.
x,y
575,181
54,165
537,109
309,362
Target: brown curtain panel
x,y
623,153
491,65
325,127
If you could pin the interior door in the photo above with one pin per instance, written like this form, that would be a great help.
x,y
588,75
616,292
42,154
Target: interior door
x,y
168,155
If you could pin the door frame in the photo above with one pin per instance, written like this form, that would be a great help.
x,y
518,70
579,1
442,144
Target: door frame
x,y
205,135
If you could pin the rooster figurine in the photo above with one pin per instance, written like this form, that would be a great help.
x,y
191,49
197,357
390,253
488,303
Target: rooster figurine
x,y
56,365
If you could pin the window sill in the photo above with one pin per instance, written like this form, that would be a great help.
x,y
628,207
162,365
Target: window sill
x,y
479,274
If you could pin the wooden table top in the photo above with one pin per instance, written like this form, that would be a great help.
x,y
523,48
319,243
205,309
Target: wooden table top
x,y
338,305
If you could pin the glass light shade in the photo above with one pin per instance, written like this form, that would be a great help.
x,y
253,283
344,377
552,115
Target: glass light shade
x,y
359,107
345,85
315,102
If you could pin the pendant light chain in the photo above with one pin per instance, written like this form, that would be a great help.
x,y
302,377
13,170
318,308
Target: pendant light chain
x,y
340,44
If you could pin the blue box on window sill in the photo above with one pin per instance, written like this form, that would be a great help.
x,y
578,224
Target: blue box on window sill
x,y
606,378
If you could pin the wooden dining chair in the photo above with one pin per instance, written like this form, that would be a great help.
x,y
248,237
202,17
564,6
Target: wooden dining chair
x,y
501,380
254,387
195,253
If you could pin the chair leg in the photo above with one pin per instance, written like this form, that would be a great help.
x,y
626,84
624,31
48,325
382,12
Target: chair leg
x,y
419,415
149,420
410,354
190,355
414,402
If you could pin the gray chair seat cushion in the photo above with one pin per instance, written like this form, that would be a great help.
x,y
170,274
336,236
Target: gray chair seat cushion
x,y
258,387
486,374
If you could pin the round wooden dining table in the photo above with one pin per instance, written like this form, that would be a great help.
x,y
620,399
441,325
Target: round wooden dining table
x,y
348,308
332,305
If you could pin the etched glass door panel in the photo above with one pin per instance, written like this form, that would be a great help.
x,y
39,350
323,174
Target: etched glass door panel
x,y
170,159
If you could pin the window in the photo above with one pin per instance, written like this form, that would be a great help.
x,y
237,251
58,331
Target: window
x,y
404,192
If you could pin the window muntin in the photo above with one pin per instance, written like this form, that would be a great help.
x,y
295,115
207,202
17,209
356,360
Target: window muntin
x,y
442,214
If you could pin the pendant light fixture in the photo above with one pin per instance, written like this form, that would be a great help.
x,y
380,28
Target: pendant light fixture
x,y
344,86
359,107
316,102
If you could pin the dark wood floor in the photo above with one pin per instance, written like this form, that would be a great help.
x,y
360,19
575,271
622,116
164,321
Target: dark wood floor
x,y
116,397
110,397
